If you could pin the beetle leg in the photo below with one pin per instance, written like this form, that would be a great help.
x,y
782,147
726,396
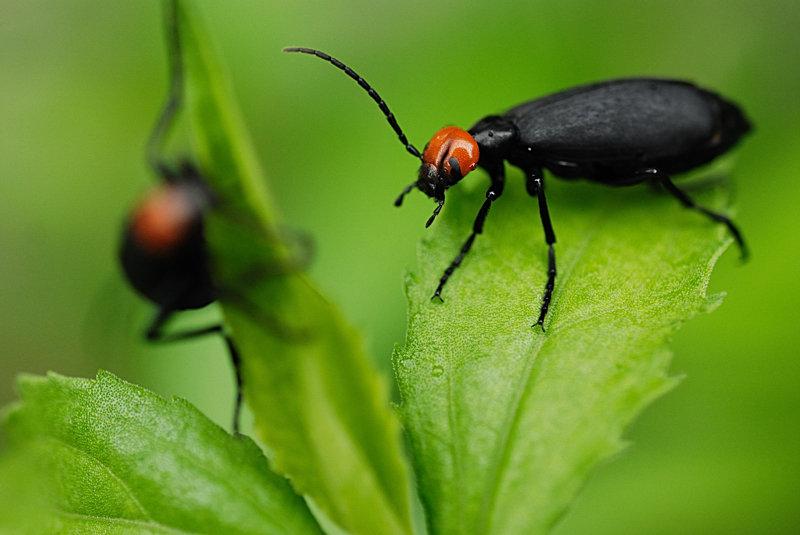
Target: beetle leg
x,y
166,118
497,175
155,333
687,201
535,187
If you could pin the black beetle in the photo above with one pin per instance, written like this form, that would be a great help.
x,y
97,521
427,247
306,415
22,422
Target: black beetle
x,y
163,251
618,132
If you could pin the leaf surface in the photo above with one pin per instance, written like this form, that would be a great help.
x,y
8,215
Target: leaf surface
x,y
505,421
110,457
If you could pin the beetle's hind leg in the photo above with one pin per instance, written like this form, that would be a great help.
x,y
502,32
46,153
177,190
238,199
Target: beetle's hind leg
x,y
535,186
497,175
687,201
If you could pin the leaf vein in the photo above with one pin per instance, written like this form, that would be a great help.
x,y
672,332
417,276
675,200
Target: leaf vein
x,y
151,524
509,430
109,471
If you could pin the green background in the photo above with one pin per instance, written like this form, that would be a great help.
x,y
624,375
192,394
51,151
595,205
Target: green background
x,y
81,83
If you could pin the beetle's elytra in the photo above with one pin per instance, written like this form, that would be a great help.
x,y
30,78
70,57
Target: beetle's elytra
x,y
618,132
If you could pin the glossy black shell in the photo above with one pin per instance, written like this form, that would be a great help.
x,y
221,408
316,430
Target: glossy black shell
x,y
610,131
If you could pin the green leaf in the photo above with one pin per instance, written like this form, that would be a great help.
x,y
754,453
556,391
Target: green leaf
x,y
112,457
320,406
505,421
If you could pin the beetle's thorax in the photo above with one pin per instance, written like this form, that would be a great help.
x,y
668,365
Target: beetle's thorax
x,y
495,135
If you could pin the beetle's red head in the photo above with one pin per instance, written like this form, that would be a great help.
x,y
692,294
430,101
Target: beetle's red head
x,y
451,154
448,157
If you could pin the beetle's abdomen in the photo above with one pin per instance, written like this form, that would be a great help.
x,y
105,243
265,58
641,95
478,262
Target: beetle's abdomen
x,y
630,120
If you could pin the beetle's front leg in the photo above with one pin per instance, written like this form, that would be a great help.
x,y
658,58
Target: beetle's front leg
x,y
497,176
535,187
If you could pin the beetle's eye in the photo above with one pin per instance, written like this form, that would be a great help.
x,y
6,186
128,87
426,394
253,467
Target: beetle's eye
x,y
453,168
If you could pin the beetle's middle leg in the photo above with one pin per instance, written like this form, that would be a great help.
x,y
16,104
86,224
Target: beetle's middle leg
x,y
497,175
535,186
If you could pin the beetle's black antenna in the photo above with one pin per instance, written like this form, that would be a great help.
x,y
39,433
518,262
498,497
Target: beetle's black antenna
x,y
368,88
175,96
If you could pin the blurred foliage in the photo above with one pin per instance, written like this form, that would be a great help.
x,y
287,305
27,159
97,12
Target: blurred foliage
x,y
81,82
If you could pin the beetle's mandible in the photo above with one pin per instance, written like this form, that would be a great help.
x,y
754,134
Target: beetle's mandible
x,y
618,132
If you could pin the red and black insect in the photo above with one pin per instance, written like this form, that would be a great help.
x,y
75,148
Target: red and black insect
x,y
164,254
618,132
